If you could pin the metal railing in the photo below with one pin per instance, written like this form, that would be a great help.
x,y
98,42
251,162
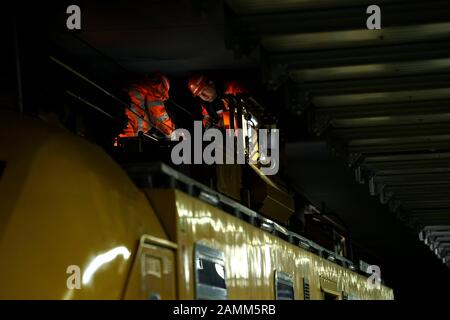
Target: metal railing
x,y
161,175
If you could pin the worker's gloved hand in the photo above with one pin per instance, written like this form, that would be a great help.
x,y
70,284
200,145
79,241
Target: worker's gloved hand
x,y
207,123
177,135
220,123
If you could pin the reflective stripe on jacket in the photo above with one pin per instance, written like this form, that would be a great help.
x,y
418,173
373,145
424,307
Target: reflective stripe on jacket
x,y
147,109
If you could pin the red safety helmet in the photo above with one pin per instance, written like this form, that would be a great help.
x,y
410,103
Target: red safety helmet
x,y
165,81
196,83
156,86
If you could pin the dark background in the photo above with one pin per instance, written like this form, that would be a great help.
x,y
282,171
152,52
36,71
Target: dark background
x,y
120,40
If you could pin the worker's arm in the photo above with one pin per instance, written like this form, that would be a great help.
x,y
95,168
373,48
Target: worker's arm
x,y
131,129
161,119
207,121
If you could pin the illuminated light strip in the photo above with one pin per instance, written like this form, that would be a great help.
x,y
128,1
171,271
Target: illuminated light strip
x,y
102,259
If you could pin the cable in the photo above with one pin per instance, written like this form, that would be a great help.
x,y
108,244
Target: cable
x,y
149,121
102,54
70,93
180,107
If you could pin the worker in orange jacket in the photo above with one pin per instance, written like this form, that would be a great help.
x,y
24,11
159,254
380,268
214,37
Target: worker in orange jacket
x,y
147,109
214,102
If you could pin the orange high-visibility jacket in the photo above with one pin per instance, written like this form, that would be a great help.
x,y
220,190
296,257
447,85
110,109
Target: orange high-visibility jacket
x,y
223,115
147,108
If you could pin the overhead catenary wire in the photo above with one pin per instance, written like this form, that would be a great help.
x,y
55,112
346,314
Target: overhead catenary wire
x,y
180,107
70,93
149,121
121,67
124,69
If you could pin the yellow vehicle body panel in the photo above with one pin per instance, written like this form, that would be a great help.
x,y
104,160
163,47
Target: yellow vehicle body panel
x,y
251,255
64,202
153,272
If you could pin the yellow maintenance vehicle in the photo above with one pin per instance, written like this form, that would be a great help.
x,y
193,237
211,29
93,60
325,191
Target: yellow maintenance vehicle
x,y
66,207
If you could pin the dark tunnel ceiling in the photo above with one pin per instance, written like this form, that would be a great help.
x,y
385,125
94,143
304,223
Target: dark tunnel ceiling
x,y
380,98
144,36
